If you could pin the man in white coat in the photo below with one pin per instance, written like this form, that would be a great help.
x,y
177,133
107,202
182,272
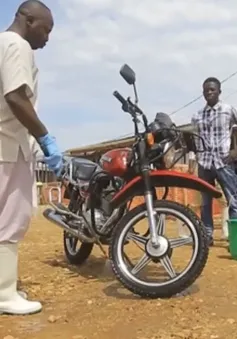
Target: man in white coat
x,y
18,118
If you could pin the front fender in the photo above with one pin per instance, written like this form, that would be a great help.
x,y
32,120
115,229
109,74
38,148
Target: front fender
x,y
163,178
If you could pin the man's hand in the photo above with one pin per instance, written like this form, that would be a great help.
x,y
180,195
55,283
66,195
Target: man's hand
x,y
55,163
191,162
231,157
191,166
53,156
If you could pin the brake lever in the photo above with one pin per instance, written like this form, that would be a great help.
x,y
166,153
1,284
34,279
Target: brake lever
x,y
125,107
134,106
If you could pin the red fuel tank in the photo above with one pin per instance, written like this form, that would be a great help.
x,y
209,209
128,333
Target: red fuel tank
x,y
116,161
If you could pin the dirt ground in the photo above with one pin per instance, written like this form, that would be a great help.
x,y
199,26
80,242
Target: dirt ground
x,y
88,303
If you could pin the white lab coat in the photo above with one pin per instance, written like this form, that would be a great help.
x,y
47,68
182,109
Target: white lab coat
x,y
37,155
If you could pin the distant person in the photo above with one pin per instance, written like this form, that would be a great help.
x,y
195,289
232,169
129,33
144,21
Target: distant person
x,y
18,118
214,123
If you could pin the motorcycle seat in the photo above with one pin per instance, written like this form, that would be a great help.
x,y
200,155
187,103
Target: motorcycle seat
x,y
83,169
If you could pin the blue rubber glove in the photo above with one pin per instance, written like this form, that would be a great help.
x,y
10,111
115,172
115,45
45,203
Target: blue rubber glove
x,y
53,156
55,163
48,145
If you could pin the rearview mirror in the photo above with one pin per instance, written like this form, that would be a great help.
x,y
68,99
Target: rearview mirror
x,y
128,74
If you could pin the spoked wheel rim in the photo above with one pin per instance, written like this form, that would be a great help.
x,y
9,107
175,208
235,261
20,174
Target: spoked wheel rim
x,y
162,257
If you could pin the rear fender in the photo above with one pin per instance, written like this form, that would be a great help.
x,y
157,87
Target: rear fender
x,y
163,178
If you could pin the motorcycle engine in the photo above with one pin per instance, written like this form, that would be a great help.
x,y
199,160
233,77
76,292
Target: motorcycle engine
x,y
102,212
100,219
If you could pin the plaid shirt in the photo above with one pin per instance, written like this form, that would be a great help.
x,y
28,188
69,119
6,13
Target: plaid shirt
x,y
214,125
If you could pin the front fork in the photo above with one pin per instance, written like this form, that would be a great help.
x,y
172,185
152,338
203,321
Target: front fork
x,y
150,196
152,220
148,192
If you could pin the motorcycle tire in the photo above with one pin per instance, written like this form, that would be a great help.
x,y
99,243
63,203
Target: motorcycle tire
x,y
175,286
81,255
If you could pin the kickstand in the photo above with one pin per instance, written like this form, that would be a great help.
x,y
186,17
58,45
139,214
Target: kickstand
x,y
102,249
97,240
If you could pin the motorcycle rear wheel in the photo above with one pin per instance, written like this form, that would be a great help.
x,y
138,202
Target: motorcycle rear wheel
x,y
76,256
178,283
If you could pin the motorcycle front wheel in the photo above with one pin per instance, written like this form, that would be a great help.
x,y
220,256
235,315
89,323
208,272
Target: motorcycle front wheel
x,y
128,273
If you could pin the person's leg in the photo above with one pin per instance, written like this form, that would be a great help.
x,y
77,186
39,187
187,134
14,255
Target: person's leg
x,y
224,212
206,206
224,223
15,216
228,181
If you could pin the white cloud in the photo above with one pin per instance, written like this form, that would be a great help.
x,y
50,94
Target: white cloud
x,y
172,45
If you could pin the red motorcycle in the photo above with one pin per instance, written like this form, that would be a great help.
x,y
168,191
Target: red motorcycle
x,y
100,196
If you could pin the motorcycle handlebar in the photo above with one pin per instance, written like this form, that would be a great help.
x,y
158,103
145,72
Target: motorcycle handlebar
x,y
120,98
130,107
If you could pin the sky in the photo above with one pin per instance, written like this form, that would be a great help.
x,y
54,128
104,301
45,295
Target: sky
x,y
172,45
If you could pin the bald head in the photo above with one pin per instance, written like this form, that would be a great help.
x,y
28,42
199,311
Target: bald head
x,y
34,8
32,5
35,19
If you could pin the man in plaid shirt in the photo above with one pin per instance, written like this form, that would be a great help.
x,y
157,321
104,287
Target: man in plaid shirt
x,y
214,123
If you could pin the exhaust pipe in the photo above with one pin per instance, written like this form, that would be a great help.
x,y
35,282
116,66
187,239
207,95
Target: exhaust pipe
x,y
56,219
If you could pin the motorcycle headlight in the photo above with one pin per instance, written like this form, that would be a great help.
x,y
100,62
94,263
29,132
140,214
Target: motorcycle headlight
x,y
169,156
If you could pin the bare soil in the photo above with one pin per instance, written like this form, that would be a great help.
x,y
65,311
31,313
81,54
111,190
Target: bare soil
x,y
88,303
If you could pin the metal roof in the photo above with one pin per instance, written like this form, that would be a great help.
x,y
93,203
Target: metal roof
x,y
109,144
